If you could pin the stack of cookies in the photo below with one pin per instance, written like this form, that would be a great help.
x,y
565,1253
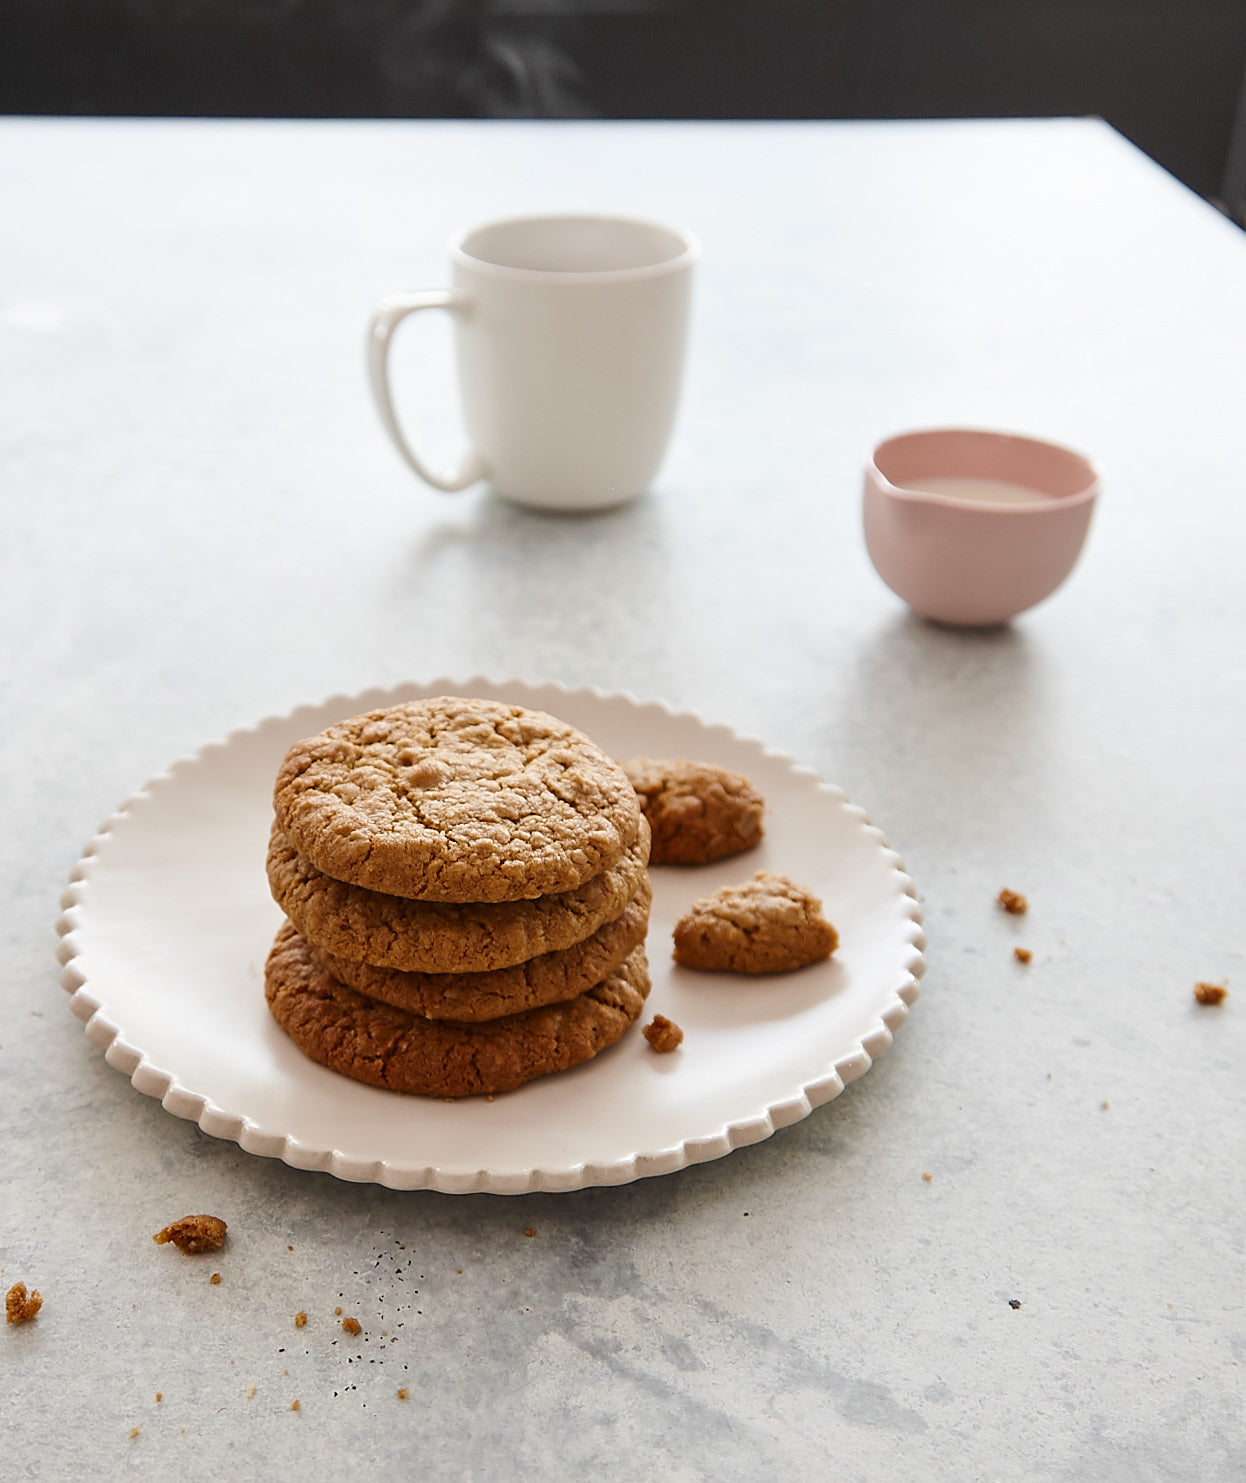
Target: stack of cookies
x,y
467,897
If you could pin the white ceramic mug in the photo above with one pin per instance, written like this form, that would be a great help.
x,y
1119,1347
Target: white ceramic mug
x,y
569,337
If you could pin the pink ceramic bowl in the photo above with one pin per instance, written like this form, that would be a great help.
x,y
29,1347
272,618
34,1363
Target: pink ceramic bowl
x,y
974,527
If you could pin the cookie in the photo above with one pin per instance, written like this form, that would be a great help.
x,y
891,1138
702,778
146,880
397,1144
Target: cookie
x,y
697,812
456,800
443,937
766,925
547,979
387,1047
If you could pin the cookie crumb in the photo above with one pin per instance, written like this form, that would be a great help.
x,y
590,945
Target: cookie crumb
x,y
21,1306
193,1234
337,1313
529,1232
1014,1303
929,1178
352,1326
663,1035
159,1397
1210,993
1022,954
1105,1105
134,1431
215,1279
289,1248
403,1393
250,1392
458,1271
1013,902
294,1405
300,1320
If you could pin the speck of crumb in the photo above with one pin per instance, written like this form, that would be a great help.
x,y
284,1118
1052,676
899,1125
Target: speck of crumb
x,y
929,1178
193,1234
294,1405
21,1306
528,1231
289,1248
134,1431
1014,1303
1105,1105
250,1392
403,1393
159,1396
300,1320
1013,902
458,1271
352,1326
337,1313
1210,994
215,1279
1022,954
663,1035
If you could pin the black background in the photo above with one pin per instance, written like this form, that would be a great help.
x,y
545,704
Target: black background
x,y
1167,73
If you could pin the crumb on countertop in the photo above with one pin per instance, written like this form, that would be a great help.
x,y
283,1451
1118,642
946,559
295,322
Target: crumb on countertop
x,y
929,1178
352,1326
1210,993
294,1405
403,1393
215,1279
21,1306
1014,1303
1013,902
663,1035
1022,954
529,1232
193,1234
300,1320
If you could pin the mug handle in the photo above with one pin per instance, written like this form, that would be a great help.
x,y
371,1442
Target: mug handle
x,y
389,313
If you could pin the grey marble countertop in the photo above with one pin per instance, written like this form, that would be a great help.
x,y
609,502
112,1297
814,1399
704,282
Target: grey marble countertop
x,y
203,525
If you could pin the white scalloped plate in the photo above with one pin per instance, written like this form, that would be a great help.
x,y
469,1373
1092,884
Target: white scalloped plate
x,y
168,920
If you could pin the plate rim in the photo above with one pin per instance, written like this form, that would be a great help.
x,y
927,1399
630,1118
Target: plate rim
x,y
219,1122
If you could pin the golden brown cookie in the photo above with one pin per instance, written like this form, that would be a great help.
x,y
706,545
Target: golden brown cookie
x,y
456,800
402,1052
439,936
697,812
766,925
547,979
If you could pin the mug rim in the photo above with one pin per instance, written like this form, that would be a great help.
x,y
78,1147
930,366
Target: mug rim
x,y
690,253
1086,494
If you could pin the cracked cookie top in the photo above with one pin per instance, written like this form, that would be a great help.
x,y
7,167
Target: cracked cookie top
x,y
456,800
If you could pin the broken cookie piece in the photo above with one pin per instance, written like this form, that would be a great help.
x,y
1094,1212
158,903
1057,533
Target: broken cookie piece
x,y
193,1234
697,812
766,925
